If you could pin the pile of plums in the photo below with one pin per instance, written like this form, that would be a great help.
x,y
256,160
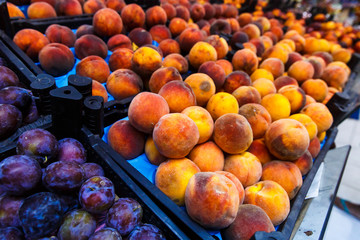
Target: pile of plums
x,y
49,191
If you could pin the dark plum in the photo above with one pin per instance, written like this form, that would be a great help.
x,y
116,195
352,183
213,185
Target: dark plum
x,y
7,77
3,62
92,169
32,113
71,150
48,238
63,177
40,215
124,215
68,202
78,224
106,233
19,174
10,120
17,96
9,211
38,143
11,233
146,232
97,194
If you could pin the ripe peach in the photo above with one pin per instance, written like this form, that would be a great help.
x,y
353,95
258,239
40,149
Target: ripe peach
x,y
222,103
84,29
277,105
335,77
38,10
293,57
251,30
169,46
220,45
340,64
116,5
99,90
318,64
260,47
177,26
261,73
182,12
304,163
245,60
209,11
244,19
276,51
133,16
14,11
56,59
214,71
203,87
235,80
259,149
172,178
162,76
309,100
246,94
232,133
140,37
120,59
308,123
60,34
89,44
272,36
258,118
314,147
189,37
160,33
208,157
287,139
92,6
316,88
68,8
145,61
169,9
211,200
342,54
237,183
175,135
197,12
267,41
249,220
230,11
93,67
271,197
331,92
200,53
124,83
264,86
107,22
177,61
295,95
327,57
31,42
320,114
301,70
234,24
238,38
284,81
225,64
155,15
126,140
152,153
219,26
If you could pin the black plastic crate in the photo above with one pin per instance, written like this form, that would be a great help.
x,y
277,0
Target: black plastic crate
x,y
124,186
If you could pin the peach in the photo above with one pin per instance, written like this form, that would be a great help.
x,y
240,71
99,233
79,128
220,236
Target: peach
x,y
177,61
314,147
93,67
84,29
14,11
261,73
340,64
232,133
295,95
264,86
342,54
245,60
172,178
126,140
316,88
238,39
146,109
145,61
245,166
226,65
287,174
274,66
220,45
169,10
271,197
152,153
304,163
140,37
116,5
308,123
107,22
318,64
31,42
209,11
301,70
246,94
287,139
214,71
321,136
260,47
208,157
169,46
244,19
38,10
68,8
331,92
222,103
220,26
276,51
162,76
335,77
230,11
182,12
277,31
251,30
309,100
88,45
175,135
264,22
327,57
267,41
203,87
99,90
189,37
320,114
284,81
124,83
234,24
133,16
293,57
272,36
120,58
211,200
197,12
258,118
56,59
200,53
249,220
277,105
60,34
259,149
92,6
155,15
160,33
237,183
177,26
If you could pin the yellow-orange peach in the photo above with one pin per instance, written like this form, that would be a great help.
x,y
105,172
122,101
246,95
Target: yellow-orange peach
x,y
247,94
237,183
208,157
335,77
220,45
316,88
308,123
277,105
124,83
177,61
177,26
258,117
189,37
31,42
222,103
261,73
259,149
264,86
14,11
293,57
107,22
304,163
274,66
38,10
225,64
244,19
99,90
342,55
340,64
162,76
295,95
152,153
145,61
200,53
203,87
93,6
320,114
301,70
93,67
251,30
120,59
245,60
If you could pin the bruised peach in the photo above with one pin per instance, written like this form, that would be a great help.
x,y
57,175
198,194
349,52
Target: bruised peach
x,y
259,149
304,163
175,135
107,22
60,34
155,15
320,114
93,67
203,87
246,94
222,103
124,83
152,153
38,10
245,60
98,89
178,95
235,80
162,76
31,42
208,157
145,61
169,46
177,61
258,117
133,16
88,45
214,71
120,59
284,81
56,59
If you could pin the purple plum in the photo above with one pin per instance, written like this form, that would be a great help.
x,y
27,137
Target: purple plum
x,y
10,120
11,233
68,202
9,211
7,77
32,113
92,169
106,233
71,150
17,96
146,232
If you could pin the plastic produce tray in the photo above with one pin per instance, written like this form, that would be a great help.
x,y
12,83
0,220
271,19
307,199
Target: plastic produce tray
x,y
124,186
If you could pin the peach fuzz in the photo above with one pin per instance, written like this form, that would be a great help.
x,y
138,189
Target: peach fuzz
x,y
56,59
301,70
172,178
203,87
211,200
151,152
264,86
308,123
38,10
314,147
335,76
203,121
287,174
246,94
316,88
93,67
237,183
107,22
208,157
284,81
120,59
126,140
287,139
222,103
258,118
162,76
320,114
216,72
295,95
169,46
245,60
133,16
271,197
249,220
220,44
304,163
200,53
99,90
261,73
235,80
232,133
274,66
88,45
146,109
245,166
124,83
31,42
145,61
175,135
14,11
60,34
226,65
259,149
177,61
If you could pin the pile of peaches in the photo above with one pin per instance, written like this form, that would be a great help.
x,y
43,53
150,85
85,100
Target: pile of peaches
x,y
232,134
